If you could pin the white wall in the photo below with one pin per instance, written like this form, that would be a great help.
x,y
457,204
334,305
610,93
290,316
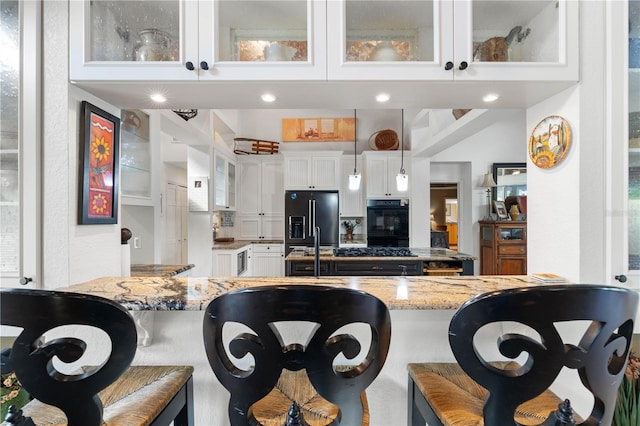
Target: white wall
x,y
200,240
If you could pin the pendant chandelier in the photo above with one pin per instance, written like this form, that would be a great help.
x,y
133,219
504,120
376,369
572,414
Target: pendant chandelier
x,y
402,180
355,178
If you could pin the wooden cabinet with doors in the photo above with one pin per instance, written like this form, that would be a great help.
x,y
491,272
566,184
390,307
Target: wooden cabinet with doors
x,y
503,248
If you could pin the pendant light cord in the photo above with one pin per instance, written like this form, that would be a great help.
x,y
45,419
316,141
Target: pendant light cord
x,y
355,141
402,141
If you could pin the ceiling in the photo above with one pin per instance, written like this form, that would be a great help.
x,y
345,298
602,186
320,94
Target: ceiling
x,y
324,94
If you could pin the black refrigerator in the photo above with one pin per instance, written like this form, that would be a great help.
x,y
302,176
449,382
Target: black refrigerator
x,y
306,210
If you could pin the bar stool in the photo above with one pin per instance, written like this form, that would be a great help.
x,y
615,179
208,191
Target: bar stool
x,y
511,393
113,393
310,380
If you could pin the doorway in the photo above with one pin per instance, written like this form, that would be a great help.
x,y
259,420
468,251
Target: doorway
x,y
176,222
444,212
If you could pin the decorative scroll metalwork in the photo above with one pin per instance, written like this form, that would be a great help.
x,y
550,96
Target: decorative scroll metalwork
x,y
39,311
186,114
600,357
330,309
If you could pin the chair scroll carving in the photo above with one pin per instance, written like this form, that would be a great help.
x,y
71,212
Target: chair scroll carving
x,y
600,356
259,308
32,358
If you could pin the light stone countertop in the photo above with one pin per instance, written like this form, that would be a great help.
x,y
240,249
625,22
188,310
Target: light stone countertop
x,y
425,254
233,245
400,293
158,270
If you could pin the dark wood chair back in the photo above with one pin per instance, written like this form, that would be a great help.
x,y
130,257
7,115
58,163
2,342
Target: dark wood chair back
x,y
39,311
600,357
329,308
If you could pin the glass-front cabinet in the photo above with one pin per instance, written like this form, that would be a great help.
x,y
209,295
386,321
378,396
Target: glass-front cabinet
x,y
198,40
224,183
432,39
135,154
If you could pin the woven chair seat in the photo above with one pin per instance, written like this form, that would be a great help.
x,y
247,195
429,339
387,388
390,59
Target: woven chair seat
x,y
458,400
295,386
134,399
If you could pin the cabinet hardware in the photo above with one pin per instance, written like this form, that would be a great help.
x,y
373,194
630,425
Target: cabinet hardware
x,y
204,65
27,280
463,65
448,66
621,278
189,66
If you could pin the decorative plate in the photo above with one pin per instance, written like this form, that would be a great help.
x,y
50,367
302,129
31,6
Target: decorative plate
x,y
549,142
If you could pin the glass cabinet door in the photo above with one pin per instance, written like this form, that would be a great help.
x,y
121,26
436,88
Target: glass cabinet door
x,y
263,39
537,38
135,154
633,200
400,39
133,40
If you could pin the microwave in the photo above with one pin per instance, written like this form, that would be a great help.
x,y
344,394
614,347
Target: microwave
x,y
242,262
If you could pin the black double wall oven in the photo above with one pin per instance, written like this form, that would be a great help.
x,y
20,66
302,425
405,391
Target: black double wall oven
x,y
388,223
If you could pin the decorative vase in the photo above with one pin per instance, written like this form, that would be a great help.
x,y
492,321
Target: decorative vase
x,y
514,212
349,234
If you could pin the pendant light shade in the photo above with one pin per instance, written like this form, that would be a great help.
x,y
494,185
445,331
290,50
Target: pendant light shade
x,y
355,178
402,180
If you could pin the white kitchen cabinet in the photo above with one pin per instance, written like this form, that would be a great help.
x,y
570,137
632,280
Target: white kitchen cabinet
x,y
135,156
381,168
267,260
232,263
312,170
198,40
453,40
351,202
224,183
261,198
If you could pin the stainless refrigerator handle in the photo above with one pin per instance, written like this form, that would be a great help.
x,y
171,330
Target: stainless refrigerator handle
x,y
290,227
304,219
314,217
310,220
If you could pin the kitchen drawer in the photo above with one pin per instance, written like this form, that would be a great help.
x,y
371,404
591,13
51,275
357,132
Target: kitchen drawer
x,y
512,249
268,248
305,268
388,268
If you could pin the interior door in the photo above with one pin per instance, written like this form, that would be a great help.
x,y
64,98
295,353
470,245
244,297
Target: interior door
x,y
176,225
183,224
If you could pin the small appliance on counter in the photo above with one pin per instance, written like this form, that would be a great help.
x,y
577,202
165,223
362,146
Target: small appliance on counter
x,y
306,210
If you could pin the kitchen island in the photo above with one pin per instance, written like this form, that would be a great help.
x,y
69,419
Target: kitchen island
x,y
421,309
385,261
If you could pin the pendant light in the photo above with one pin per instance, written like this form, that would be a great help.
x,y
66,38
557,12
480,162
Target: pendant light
x,y
402,180
355,178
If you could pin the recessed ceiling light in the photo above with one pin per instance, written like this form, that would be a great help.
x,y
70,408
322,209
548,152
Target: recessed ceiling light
x,y
268,97
382,97
158,97
491,97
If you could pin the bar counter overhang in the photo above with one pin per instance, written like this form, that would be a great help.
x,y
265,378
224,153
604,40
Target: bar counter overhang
x,y
421,309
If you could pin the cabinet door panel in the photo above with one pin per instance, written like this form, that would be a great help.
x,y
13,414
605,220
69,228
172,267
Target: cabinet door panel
x,y
325,173
512,266
249,194
272,188
248,227
268,265
273,227
376,177
297,173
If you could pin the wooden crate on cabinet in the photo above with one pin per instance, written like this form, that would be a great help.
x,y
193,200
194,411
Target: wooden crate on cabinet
x,y
503,248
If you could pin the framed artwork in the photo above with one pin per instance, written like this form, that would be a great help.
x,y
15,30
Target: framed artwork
x,y
501,210
549,142
99,155
318,129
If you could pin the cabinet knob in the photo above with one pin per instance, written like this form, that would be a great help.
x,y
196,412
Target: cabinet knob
x,y
189,66
463,65
448,66
27,280
621,278
204,65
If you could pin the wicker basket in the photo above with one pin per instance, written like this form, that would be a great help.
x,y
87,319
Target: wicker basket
x,y
442,272
384,140
457,113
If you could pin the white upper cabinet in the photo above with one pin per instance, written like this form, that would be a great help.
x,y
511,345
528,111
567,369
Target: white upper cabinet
x,y
312,170
351,202
224,183
453,40
381,170
198,40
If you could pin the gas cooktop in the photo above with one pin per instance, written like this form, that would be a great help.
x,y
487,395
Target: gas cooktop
x,y
373,252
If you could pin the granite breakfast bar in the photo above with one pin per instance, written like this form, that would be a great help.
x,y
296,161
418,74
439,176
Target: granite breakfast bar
x,y
421,308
